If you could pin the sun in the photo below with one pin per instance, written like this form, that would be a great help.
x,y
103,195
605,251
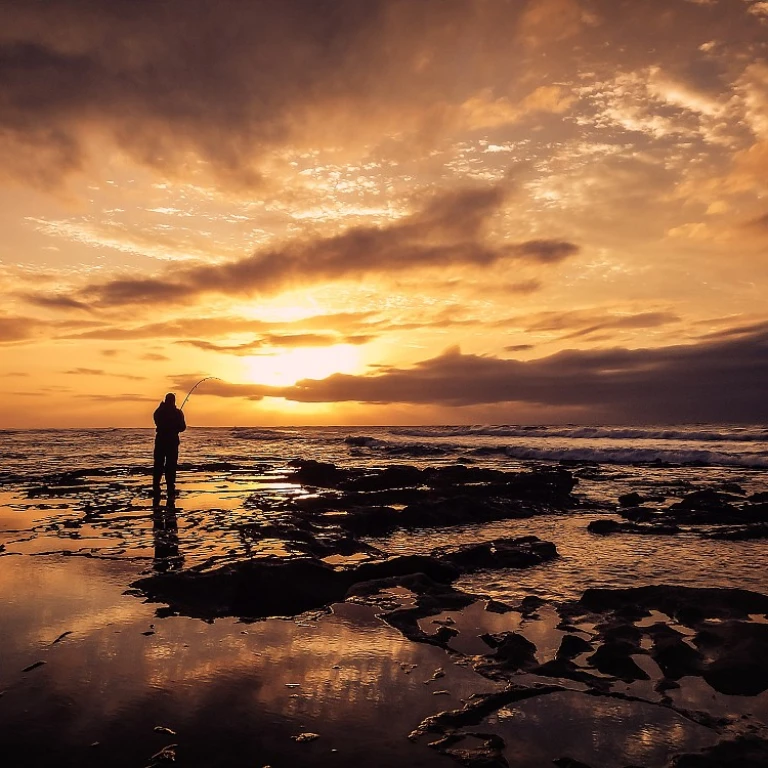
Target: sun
x,y
284,369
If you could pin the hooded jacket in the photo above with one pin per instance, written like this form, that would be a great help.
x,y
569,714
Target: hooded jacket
x,y
169,421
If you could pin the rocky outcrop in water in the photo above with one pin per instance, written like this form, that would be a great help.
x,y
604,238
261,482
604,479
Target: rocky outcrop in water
x,y
717,514
287,586
706,633
375,502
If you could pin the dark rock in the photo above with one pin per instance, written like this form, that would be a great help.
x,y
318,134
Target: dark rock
x,y
495,606
361,501
391,477
631,500
730,654
604,527
479,707
678,602
567,670
572,646
431,598
511,648
249,589
739,653
522,552
614,657
607,527
569,762
316,473
639,515
435,569
740,532
666,684
489,754
444,634
674,656
530,604
706,506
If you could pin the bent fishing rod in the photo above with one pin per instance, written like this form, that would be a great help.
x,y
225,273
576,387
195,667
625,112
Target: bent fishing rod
x,y
207,378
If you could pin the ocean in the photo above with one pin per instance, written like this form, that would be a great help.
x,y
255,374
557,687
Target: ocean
x,y
507,446
219,467
94,672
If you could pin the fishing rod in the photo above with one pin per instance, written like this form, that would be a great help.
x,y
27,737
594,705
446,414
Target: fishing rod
x,y
207,378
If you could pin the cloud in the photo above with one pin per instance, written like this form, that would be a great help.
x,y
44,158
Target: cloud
x,y
585,322
219,388
760,223
484,111
101,372
229,86
57,301
640,320
124,398
276,341
17,328
719,381
86,372
186,327
452,229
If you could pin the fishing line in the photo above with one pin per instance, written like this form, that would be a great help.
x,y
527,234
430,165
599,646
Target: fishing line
x,y
207,378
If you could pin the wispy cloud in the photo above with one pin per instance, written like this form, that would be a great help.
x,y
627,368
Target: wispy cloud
x,y
452,229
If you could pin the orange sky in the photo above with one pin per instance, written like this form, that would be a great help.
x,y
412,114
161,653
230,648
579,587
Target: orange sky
x,y
379,212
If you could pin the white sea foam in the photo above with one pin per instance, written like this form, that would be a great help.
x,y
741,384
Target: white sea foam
x,y
573,450
630,455
686,433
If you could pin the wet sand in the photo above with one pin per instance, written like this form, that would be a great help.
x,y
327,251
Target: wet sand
x,y
94,673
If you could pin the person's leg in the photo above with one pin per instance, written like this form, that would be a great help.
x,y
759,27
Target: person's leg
x,y
158,467
171,462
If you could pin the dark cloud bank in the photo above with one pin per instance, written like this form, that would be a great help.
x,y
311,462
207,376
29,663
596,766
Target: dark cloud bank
x,y
716,381
451,230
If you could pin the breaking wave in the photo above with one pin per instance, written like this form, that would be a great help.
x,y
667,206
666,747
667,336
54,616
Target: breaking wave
x,y
693,433
631,455
564,448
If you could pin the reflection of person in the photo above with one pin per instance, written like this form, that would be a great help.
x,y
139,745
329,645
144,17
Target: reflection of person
x,y
165,531
169,421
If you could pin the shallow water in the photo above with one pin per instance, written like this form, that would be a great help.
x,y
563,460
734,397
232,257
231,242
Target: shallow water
x,y
595,731
587,560
119,669
226,689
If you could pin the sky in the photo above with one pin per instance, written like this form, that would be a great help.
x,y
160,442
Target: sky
x,y
384,212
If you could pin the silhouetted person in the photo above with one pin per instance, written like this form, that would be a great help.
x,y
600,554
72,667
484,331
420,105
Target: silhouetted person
x,y
169,421
165,531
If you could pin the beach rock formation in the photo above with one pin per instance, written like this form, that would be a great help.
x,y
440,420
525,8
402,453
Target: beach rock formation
x,y
733,516
432,497
286,586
